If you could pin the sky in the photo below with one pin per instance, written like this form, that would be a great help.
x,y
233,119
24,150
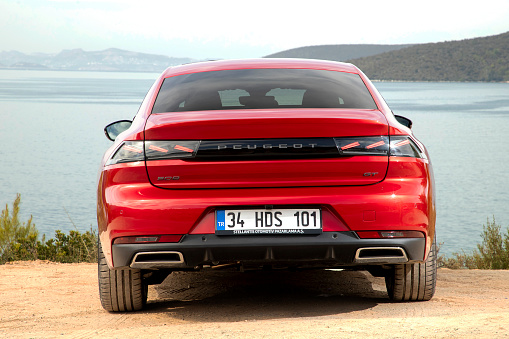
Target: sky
x,y
239,29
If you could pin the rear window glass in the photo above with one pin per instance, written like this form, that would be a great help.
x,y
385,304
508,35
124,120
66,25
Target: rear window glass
x,y
262,88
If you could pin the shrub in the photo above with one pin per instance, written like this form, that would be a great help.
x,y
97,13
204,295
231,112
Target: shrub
x,y
492,253
20,242
11,229
75,247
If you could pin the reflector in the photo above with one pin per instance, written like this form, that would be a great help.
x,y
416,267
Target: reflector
x,y
389,234
147,239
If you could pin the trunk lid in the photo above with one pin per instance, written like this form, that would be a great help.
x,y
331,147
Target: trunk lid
x,y
266,148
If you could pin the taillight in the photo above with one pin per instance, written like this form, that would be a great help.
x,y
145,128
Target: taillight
x,y
398,146
155,150
403,146
131,151
363,146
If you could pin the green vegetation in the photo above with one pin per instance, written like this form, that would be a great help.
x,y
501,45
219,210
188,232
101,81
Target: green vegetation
x,y
336,52
20,241
479,59
11,229
491,254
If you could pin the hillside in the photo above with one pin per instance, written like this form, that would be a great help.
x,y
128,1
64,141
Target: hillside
x,y
111,59
480,59
336,52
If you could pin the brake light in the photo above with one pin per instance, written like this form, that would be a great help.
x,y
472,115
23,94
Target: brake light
x,y
398,146
132,151
404,146
170,149
363,145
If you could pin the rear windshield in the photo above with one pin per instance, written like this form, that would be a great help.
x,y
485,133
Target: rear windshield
x,y
262,88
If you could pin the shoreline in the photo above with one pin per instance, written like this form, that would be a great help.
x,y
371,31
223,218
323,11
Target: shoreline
x,y
158,72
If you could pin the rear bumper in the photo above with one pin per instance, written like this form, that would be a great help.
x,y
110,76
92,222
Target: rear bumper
x,y
128,205
328,249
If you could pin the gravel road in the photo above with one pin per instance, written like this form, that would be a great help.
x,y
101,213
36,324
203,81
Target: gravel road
x,y
41,299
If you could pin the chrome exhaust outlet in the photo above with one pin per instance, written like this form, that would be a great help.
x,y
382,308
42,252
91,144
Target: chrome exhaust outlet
x,y
163,259
381,255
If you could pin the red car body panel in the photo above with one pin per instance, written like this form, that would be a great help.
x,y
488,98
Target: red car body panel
x,y
268,123
131,202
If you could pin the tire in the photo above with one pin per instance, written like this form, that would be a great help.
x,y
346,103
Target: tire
x,y
120,290
413,282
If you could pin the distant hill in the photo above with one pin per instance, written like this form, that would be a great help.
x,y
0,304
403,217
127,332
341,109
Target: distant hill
x,y
336,52
479,59
79,60
27,65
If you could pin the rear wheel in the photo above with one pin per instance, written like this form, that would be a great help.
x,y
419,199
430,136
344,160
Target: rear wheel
x,y
120,290
413,282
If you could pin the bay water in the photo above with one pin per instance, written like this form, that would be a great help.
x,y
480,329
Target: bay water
x,y
51,142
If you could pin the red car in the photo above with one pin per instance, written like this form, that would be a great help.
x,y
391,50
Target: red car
x,y
264,164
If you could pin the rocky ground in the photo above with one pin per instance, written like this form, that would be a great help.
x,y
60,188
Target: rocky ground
x,y
41,299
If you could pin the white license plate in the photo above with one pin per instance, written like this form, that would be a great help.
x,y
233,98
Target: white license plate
x,y
273,221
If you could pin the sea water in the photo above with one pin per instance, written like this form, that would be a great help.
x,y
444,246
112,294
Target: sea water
x,y
52,140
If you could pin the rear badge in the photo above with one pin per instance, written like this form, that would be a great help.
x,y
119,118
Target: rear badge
x,y
168,178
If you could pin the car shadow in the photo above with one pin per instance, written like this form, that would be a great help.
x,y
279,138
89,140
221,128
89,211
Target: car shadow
x,y
212,296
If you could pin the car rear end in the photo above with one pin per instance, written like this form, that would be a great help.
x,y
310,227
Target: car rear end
x,y
258,164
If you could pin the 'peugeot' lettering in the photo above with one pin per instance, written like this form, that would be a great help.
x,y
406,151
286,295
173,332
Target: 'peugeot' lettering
x,y
266,146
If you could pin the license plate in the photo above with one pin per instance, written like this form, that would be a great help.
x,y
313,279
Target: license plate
x,y
273,221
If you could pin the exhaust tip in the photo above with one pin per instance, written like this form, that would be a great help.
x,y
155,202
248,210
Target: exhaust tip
x,y
146,260
381,255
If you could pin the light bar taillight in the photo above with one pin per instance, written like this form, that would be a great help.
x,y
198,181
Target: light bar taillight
x,y
399,146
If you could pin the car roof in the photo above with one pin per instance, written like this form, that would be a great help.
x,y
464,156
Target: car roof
x,y
221,65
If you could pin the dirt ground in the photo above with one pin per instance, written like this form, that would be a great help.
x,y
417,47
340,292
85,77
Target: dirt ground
x,y
41,299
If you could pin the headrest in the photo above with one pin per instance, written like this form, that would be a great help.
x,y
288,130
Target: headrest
x,y
258,101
